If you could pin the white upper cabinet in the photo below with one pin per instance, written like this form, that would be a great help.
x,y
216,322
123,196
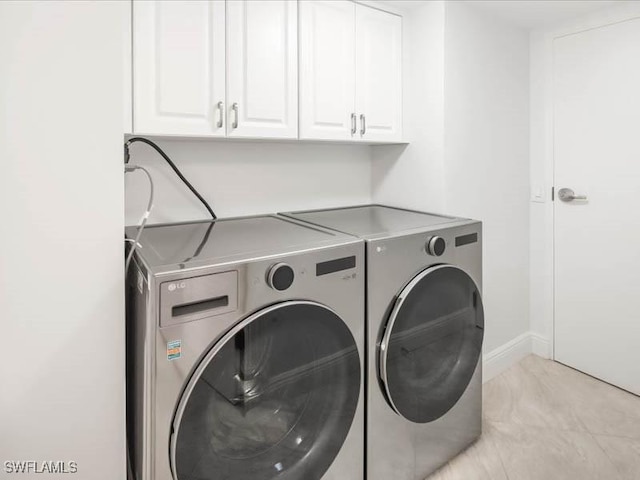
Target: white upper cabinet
x,y
262,68
327,70
350,72
378,74
179,67
231,68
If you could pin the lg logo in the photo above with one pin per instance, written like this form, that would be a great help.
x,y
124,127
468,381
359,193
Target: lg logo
x,y
176,286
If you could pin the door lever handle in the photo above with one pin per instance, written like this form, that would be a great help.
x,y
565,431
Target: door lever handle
x,y
568,195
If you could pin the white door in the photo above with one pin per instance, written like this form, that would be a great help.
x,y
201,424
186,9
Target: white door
x,y
262,68
178,67
378,74
597,239
327,70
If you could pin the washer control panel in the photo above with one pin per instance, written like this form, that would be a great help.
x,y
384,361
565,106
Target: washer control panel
x,y
195,298
435,246
280,276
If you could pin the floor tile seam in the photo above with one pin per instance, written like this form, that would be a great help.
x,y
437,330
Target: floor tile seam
x,y
578,415
585,434
581,422
506,385
593,432
541,377
540,427
497,450
606,454
625,437
612,435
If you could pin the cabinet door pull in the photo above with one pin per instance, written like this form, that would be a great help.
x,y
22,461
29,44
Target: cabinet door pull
x,y
221,113
353,124
234,107
363,125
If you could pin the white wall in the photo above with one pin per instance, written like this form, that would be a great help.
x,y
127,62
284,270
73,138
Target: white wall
x,y
541,178
486,142
466,116
61,265
248,178
412,176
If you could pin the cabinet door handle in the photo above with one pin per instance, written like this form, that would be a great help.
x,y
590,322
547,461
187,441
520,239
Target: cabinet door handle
x,y
221,113
353,124
234,108
363,125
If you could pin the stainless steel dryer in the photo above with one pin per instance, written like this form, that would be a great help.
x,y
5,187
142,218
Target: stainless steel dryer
x,y
245,352
425,326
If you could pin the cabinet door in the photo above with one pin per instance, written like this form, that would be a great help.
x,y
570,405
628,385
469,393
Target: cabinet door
x,y
262,68
327,69
178,63
378,74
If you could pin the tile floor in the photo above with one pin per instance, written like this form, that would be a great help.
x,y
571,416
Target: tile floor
x,y
545,421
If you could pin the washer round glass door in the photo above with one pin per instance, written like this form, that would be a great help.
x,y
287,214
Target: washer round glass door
x,y
275,397
432,343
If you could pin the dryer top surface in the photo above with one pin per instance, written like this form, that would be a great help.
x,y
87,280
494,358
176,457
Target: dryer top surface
x,y
373,221
184,245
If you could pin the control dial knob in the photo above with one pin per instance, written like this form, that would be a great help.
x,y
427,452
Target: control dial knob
x,y
280,276
436,246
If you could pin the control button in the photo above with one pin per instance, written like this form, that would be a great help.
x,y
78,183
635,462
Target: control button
x,y
436,246
280,276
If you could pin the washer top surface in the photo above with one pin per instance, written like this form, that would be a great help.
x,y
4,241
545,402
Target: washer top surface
x,y
180,246
372,221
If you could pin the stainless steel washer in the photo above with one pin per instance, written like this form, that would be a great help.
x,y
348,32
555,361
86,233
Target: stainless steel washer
x,y
425,325
245,352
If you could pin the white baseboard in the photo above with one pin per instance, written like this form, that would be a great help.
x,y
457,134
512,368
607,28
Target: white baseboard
x,y
505,356
540,345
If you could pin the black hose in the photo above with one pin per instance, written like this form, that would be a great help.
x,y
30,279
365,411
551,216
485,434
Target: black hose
x,y
204,241
171,164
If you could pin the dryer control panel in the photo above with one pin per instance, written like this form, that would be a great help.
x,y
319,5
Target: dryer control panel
x,y
281,276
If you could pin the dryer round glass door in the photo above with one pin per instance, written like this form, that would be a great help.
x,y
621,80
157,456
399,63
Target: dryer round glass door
x,y
275,397
432,343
